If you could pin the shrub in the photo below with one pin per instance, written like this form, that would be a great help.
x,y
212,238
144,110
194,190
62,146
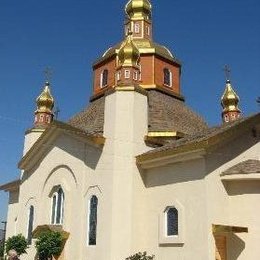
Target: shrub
x,y
17,243
49,244
140,256
1,249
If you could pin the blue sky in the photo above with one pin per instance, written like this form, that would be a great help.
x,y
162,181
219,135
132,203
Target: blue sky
x,y
69,35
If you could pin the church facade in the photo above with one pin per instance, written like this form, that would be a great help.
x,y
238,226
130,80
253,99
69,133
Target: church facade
x,y
137,169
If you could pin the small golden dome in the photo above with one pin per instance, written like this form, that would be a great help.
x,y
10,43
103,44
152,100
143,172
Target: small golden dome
x,y
230,99
45,102
138,9
128,53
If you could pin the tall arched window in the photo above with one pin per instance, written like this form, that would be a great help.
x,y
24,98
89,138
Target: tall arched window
x,y
167,77
30,225
171,215
92,221
104,78
57,207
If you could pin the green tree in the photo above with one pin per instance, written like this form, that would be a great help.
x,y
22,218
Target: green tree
x,y
49,244
18,243
140,256
1,249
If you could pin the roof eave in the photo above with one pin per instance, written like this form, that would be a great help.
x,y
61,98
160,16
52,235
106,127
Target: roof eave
x,y
206,144
50,134
11,186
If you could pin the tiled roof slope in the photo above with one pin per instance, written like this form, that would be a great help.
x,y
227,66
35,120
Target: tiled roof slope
x,y
203,135
91,119
170,114
245,167
166,113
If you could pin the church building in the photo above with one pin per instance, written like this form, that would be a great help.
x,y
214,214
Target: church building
x,y
138,170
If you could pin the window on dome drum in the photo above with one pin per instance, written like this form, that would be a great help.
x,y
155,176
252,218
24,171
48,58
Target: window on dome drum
x,y
148,30
127,74
167,77
172,222
57,207
104,78
92,221
30,225
118,75
137,28
135,76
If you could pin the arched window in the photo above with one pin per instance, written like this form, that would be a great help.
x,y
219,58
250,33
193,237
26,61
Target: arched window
x,y
171,215
167,77
57,207
30,225
92,221
104,78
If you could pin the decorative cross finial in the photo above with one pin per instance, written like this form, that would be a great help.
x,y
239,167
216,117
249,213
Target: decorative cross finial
x,y
48,74
227,72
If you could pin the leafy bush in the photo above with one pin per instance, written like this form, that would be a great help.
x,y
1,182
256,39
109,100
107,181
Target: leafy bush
x,y
1,249
140,256
49,244
17,243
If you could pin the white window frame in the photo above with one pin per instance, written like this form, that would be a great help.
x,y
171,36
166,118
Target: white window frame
x,y
170,75
136,27
147,30
135,75
118,75
88,219
127,74
174,239
166,221
28,224
55,222
102,79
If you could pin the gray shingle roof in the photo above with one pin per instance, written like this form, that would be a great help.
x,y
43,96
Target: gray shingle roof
x,y
91,119
203,135
245,167
166,113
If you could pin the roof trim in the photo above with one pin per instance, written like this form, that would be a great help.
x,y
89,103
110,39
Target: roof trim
x,y
246,167
198,143
11,186
51,133
220,229
241,177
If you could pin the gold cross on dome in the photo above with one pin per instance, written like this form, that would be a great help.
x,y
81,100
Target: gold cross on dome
x,y
227,72
48,74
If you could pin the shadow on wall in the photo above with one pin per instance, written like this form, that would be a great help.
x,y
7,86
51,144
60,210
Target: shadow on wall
x,y
240,188
227,151
174,173
235,247
88,154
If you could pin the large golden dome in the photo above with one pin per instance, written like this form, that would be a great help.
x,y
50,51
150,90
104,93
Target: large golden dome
x,y
45,101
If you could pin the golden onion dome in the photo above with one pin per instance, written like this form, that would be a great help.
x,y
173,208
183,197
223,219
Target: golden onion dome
x,y
128,53
45,101
230,99
138,9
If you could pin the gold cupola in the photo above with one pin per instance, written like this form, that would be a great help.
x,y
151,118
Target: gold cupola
x,y
45,104
45,101
128,54
136,9
229,102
